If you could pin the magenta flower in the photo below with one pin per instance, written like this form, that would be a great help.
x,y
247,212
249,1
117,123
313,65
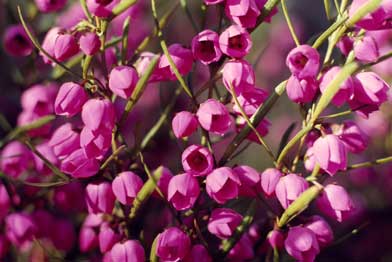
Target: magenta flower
x,y
301,243
99,114
173,244
5,202
346,44
100,198
276,239
198,253
330,153
183,59
20,229
303,61
47,6
123,80
213,2
64,140
183,191
321,229
16,42
335,202
125,187
353,137
129,251
243,12
346,90
235,41
49,43
378,19
205,47
184,124
163,183
65,47
301,90
15,159
262,128
64,235
38,99
70,99
250,180
238,74
89,43
250,101
214,117
46,150
223,222
95,144
289,188
101,8
243,250
222,184
79,166
88,235
269,179
197,160
107,237
366,49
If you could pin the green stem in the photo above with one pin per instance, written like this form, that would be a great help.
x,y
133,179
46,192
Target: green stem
x,y
122,7
289,23
85,10
184,4
330,30
380,161
124,41
86,66
112,157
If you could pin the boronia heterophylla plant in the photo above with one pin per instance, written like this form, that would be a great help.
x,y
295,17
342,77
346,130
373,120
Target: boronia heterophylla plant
x,y
80,178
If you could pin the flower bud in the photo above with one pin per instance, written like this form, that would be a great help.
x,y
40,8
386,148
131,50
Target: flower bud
x,y
250,180
366,49
184,124
301,243
205,47
172,244
222,184
235,41
301,90
47,6
238,74
303,61
223,222
125,187
99,114
183,191
64,141
49,43
214,117
78,165
123,80
88,236
289,188
269,179
70,99
65,47
197,160
129,251
95,144
89,43
39,99
321,229
16,42
276,239
100,198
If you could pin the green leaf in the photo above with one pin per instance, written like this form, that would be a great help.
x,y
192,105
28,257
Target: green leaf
x,y
327,7
286,137
153,252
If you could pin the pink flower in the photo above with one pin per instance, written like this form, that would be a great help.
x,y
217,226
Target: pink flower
x,y
184,124
214,117
129,251
88,235
15,159
20,229
16,42
107,237
301,243
223,222
213,2
366,49
49,43
48,153
197,160
238,74
289,188
64,141
269,179
346,90
243,250
79,166
346,44
5,202
301,90
244,12
321,229
198,253
39,99
163,183
65,47
89,43
125,187
173,244
101,8
330,153
123,80
70,99
276,239
47,6
250,180
250,101
95,144
182,58
205,47
99,114
183,191
100,198
303,61
353,137
235,41
378,19
335,202
222,184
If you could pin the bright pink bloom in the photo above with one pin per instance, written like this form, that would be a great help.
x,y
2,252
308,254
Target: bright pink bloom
x,y
289,188
100,198
335,202
244,12
184,124
346,90
376,20
89,43
238,74
101,8
330,153
88,235
39,99
353,137
49,43
276,239
47,6
346,44
65,47
250,180
173,244
183,191
301,243
95,144
222,184
366,49
125,187
213,2
321,229
48,153
269,179
223,222
303,61
107,237
123,80
15,159
129,251
182,58
301,90
198,253
66,198
99,114
250,101
16,42
205,47
63,234
20,229
5,202
70,99
197,160
79,166
235,41
64,140
214,117
243,250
